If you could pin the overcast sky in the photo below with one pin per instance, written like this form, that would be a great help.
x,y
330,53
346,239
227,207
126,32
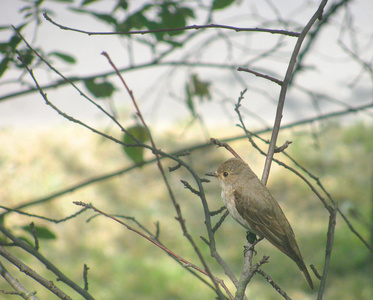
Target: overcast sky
x,y
160,91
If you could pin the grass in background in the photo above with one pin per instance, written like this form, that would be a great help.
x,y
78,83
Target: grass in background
x,y
125,266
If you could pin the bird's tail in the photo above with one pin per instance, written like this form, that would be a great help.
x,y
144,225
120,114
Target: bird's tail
x,y
305,273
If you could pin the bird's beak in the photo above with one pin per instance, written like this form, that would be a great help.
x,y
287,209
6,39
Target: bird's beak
x,y
212,174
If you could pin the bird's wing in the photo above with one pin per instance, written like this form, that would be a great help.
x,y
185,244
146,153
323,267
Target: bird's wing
x,y
263,215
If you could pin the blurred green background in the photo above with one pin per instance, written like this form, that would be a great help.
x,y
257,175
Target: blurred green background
x,y
36,163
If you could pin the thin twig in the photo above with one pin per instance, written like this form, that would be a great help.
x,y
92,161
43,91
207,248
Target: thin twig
x,y
15,284
170,192
61,276
275,80
164,154
196,27
34,275
16,210
328,251
274,284
148,238
225,145
66,79
284,87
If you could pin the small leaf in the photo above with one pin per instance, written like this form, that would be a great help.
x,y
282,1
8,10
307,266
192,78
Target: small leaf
x,y
201,88
4,65
27,57
14,41
123,4
220,4
67,58
86,2
104,17
136,154
25,239
41,232
4,48
100,90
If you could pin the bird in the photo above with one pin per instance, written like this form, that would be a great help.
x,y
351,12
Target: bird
x,y
251,204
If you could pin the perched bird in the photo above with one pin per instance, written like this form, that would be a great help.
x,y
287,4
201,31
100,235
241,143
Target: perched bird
x,y
251,204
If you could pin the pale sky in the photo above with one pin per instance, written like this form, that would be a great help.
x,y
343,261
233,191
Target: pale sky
x,y
160,91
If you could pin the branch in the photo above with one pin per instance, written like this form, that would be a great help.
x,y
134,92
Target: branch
x,y
152,240
155,151
274,284
247,277
225,145
16,210
275,80
61,277
284,87
14,283
196,27
31,273
170,192
328,251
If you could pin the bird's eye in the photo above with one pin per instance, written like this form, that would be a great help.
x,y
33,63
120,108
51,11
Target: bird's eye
x,y
225,174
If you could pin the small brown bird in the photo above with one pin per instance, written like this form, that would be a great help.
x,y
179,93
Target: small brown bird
x,y
251,204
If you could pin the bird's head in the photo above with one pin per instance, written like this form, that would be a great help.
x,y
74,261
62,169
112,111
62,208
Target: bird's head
x,y
231,172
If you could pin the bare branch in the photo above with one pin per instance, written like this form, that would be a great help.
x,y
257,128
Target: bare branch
x,y
284,87
275,80
196,27
168,186
14,283
48,284
225,145
274,284
31,273
150,239
328,251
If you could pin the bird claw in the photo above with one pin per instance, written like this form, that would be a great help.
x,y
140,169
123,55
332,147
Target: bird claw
x,y
249,248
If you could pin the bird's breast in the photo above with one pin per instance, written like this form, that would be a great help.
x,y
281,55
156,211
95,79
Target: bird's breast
x,y
230,203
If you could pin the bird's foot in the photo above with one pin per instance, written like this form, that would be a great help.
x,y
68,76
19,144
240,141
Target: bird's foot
x,y
251,237
252,241
247,249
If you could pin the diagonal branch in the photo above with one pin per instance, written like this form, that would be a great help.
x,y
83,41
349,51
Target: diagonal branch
x,y
153,241
284,87
168,186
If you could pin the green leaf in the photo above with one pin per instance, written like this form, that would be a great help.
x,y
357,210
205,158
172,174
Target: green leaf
x,y
86,2
4,48
134,21
4,65
67,58
27,56
41,232
100,90
136,154
14,41
201,88
103,17
220,4
123,4
25,239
